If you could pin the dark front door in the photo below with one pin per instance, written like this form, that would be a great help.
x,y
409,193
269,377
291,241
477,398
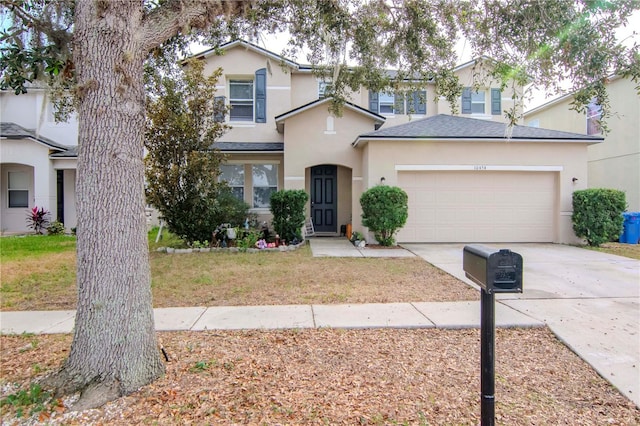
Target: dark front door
x,y
324,200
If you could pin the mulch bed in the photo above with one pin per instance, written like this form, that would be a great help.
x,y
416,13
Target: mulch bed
x,y
328,376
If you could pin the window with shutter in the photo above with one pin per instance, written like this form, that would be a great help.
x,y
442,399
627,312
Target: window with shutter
x,y
219,113
466,100
261,95
496,102
241,100
373,101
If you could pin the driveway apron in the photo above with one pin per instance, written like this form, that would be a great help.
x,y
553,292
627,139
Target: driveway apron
x,y
589,299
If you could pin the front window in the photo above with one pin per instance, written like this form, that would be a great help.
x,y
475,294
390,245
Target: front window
x,y
241,100
233,174
18,189
477,102
265,182
594,114
387,101
324,89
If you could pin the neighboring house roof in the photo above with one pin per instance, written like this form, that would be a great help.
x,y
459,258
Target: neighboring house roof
x,y
560,98
244,147
462,128
13,131
280,119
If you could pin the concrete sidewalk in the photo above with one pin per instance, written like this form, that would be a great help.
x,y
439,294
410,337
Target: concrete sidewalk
x,y
372,315
589,299
342,247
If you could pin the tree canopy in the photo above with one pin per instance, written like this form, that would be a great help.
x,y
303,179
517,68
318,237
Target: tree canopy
x,y
541,43
96,51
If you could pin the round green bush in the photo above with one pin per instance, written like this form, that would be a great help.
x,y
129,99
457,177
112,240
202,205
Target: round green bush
x,y
384,211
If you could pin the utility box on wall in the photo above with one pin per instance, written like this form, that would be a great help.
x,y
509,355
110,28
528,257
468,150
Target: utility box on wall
x,y
496,271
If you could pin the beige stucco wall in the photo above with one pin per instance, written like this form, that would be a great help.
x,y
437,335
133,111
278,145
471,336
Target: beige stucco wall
x,y
239,62
616,162
33,158
263,214
310,142
382,157
33,111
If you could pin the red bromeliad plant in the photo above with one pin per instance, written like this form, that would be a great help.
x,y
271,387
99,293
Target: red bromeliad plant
x,y
38,219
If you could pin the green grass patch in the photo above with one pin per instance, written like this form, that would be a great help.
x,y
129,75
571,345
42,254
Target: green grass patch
x,y
31,401
19,247
167,239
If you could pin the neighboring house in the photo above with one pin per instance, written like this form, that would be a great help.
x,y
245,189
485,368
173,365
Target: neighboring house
x,y
469,177
37,161
467,181
616,162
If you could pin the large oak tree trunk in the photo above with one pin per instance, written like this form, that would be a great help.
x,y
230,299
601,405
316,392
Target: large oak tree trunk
x,y
114,350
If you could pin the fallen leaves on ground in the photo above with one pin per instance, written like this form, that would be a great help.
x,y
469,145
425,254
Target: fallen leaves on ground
x,y
329,376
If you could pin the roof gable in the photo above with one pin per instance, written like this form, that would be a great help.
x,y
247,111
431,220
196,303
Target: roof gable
x,y
280,119
452,127
249,46
13,131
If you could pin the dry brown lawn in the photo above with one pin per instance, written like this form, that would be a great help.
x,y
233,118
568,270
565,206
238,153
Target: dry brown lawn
x,y
325,376
224,278
311,376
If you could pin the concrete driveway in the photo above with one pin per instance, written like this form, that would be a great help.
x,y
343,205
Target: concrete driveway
x,y
590,300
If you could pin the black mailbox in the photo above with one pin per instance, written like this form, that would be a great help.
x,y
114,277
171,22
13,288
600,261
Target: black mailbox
x,y
496,271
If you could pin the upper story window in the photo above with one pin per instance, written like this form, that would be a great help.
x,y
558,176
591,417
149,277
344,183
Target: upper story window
x,y
386,103
247,99
18,189
475,102
233,174
324,89
398,103
594,115
265,182
241,100
534,123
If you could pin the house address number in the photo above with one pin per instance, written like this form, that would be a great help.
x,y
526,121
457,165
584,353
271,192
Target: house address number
x,y
479,167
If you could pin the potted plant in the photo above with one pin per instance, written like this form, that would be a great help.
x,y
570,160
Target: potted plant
x,y
357,238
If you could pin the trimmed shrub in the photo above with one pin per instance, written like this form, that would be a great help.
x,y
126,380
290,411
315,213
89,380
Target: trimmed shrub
x,y
384,211
55,228
597,214
287,207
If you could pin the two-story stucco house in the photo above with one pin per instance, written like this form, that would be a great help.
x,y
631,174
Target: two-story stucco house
x,y
469,177
616,162
37,161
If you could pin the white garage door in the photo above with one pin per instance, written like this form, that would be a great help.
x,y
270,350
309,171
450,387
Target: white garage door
x,y
487,206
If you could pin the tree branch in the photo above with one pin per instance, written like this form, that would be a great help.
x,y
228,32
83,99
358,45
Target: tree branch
x,y
177,16
46,25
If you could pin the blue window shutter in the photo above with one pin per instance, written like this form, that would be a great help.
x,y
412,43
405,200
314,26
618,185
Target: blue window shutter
x,y
496,101
220,109
261,95
420,102
398,103
373,101
466,100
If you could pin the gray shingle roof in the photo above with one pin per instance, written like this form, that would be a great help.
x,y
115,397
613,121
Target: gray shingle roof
x,y
13,131
249,146
452,127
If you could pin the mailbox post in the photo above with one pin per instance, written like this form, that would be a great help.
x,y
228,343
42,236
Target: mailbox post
x,y
495,271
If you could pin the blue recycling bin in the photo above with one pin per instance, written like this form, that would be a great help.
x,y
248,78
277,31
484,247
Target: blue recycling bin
x,y
631,228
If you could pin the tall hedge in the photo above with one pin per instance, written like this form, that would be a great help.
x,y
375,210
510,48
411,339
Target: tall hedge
x,y
384,211
597,214
287,207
